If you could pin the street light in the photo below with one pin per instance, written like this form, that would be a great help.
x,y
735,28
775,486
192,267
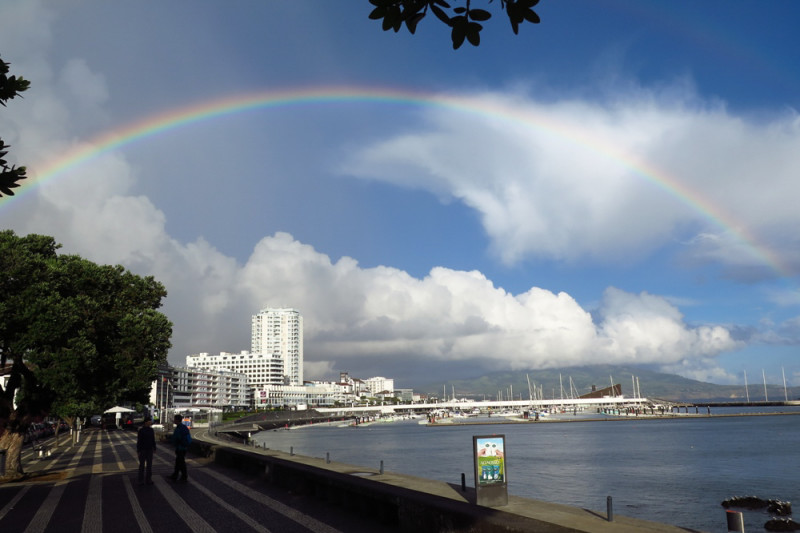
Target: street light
x,y
164,380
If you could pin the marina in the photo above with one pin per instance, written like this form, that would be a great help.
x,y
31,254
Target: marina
x,y
674,469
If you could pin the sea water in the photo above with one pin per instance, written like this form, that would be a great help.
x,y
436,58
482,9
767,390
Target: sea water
x,y
676,471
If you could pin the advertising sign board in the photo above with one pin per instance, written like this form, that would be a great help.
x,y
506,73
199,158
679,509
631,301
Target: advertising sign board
x,y
491,475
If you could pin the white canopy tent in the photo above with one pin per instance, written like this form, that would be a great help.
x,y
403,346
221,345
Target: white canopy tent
x,y
117,411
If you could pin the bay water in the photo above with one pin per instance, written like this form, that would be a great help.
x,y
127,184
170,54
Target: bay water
x,y
670,470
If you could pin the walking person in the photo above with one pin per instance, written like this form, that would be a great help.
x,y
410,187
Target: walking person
x,y
145,447
181,438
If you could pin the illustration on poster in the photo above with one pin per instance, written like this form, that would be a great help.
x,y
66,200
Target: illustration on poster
x,y
491,466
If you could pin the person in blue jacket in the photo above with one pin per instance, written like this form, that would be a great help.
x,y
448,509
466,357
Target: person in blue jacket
x,y
181,438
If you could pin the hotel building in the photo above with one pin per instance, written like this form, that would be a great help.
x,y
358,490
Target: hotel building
x,y
278,333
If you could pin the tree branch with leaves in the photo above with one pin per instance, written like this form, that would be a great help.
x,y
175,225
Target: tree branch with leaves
x,y
464,20
10,87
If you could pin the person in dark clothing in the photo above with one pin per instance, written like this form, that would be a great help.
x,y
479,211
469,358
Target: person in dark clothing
x,y
145,447
181,438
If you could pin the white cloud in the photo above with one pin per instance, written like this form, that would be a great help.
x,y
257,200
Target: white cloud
x,y
607,180
648,329
542,190
383,313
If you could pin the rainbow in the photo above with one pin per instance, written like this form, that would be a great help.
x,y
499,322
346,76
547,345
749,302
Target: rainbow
x,y
238,104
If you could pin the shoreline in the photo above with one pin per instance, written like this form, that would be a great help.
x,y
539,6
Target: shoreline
x,y
609,418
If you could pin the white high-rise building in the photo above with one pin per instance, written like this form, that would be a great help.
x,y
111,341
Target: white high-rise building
x,y
278,333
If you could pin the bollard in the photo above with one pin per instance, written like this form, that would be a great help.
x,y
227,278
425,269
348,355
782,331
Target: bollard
x,y
381,467
291,450
463,482
327,457
609,509
735,521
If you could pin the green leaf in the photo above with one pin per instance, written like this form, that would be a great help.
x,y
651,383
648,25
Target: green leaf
x,y
378,13
531,16
441,15
474,33
459,32
411,23
479,14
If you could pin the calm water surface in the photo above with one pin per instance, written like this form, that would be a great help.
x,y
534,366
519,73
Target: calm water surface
x,y
676,471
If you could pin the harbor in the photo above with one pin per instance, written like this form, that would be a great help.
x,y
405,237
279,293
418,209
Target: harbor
x,y
674,469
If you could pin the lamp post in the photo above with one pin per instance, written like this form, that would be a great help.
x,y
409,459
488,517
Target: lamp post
x,y
164,396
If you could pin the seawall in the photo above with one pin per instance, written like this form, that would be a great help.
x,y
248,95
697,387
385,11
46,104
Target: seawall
x,y
408,503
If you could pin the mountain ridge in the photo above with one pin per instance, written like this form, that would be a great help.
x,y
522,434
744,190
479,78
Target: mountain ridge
x,y
649,383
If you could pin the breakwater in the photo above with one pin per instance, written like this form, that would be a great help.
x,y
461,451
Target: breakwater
x,y
248,425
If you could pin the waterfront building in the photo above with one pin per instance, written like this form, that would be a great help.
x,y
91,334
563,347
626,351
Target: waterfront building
x,y
329,392
310,395
379,385
261,369
406,395
184,388
273,369
278,332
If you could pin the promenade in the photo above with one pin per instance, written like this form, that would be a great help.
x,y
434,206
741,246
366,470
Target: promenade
x,y
92,487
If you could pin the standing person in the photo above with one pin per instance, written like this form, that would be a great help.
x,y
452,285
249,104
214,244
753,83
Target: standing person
x,y
145,447
181,438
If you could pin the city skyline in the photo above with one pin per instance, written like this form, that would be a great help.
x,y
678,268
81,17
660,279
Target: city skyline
x,y
615,185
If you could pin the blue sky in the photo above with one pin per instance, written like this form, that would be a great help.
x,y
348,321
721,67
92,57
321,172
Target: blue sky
x,y
617,184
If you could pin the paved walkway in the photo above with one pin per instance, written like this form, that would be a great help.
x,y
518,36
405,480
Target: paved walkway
x,y
92,487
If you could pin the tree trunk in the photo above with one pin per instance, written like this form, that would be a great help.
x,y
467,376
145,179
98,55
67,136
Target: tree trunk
x,y
12,443
70,420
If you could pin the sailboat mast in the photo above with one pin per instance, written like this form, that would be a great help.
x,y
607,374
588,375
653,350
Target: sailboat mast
x,y
785,392
764,377
530,392
746,390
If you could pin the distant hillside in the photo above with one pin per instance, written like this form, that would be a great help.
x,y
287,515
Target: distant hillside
x,y
651,385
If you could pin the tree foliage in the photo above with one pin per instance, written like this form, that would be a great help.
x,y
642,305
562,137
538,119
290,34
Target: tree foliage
x,y
10,87
464,20
77,337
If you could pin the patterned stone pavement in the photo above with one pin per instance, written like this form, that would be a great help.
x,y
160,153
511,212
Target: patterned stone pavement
x,y
92,486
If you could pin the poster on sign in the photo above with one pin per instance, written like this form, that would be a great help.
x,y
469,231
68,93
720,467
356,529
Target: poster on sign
x,y
491,476
490,456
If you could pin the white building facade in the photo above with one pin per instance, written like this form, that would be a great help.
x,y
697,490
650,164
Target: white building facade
x,y
278,333
378,385
261,369
197,388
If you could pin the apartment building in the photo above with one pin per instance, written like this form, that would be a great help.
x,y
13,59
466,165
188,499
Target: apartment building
x,y
278,333
261,369
198,388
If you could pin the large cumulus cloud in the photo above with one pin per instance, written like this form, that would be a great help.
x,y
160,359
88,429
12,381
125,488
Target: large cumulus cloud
x,y
611,179
559,180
